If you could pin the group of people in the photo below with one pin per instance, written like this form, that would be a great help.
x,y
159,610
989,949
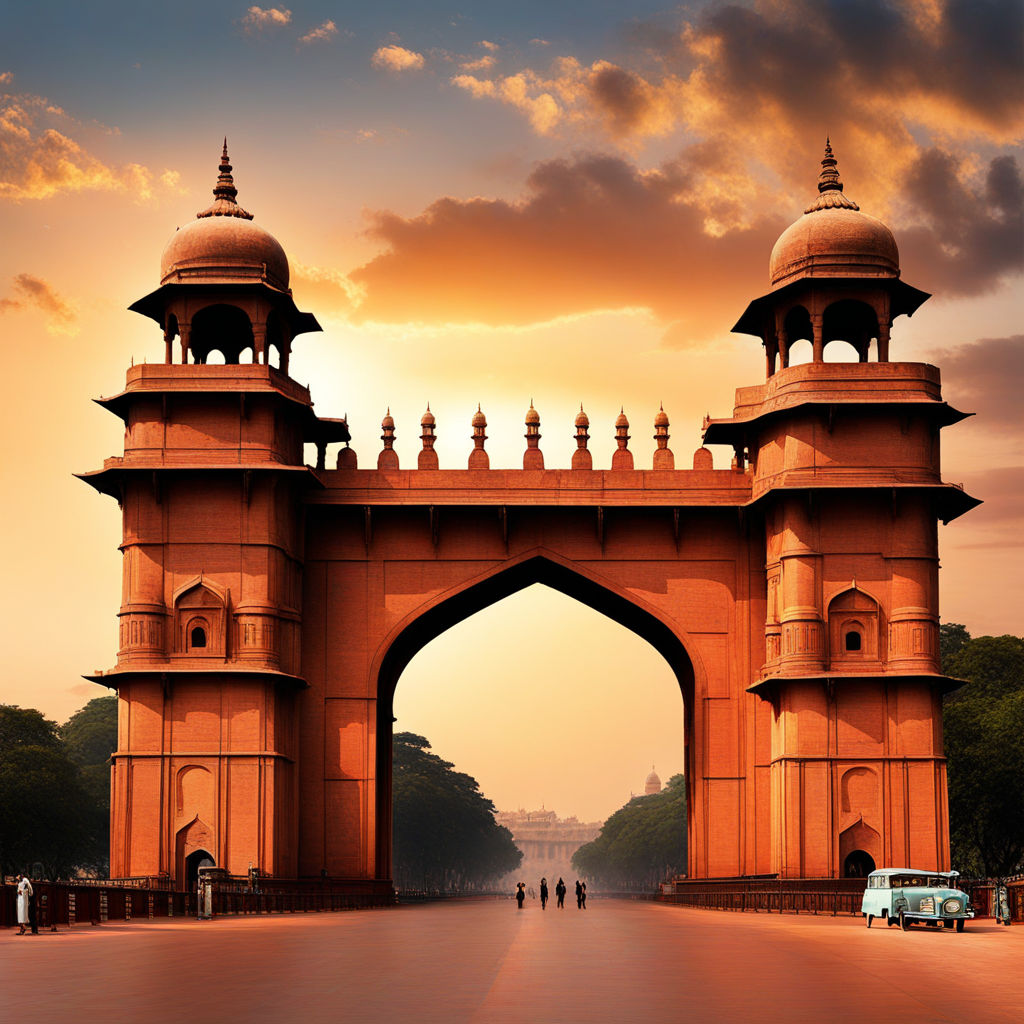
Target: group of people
x,y
560,890
26,901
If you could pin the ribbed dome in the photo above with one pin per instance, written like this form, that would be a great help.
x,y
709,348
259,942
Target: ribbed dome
x,y
652,784
532,416
833,238
223,245
582,419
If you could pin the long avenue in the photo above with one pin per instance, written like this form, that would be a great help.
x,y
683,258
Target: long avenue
x,y
488,962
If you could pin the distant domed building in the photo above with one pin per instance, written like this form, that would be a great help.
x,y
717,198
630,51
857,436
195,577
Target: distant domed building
x,y
652,784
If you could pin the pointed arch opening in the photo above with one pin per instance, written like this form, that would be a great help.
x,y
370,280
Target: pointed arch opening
x,y
422,629
222,329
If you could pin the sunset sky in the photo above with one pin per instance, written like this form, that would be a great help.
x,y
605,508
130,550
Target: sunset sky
x,y
495,203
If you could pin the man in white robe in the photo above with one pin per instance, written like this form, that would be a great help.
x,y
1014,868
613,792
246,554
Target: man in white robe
x,y
24,894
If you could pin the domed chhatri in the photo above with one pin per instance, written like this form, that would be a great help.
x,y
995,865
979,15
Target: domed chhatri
x,y
835,276
224,286
652,784
833,238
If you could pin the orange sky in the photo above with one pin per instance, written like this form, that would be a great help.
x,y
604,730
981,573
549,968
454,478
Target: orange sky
x,y
493,207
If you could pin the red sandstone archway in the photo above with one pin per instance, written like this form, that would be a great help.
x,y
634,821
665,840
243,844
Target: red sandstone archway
x,y
449,609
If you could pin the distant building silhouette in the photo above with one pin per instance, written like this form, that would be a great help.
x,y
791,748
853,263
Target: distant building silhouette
x,y
652,783
548,843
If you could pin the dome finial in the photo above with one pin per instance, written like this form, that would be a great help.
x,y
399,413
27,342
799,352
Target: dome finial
x,y
830,187
224,192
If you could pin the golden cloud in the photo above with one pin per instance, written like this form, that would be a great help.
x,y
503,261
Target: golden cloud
x,y
31,291
258,18
328,30
484,63
591,234
6,77
38,161
397,58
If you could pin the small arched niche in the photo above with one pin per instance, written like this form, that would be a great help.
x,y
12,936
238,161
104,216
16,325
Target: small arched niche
x,y
199,619
220,328
853,629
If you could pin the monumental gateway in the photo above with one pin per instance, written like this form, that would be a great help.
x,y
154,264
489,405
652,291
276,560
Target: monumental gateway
x,y
269,607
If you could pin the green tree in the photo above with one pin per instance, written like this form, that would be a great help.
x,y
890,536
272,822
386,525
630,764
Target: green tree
x,y
445,835
952,636
26,727
983,725
90,737
90,734
642,843
44,811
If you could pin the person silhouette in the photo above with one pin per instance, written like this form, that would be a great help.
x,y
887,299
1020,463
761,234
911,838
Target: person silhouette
x,y
520,894
579,894
543,894
560,891
583,895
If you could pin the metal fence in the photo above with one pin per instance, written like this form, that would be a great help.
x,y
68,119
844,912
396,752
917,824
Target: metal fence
x,y
833,896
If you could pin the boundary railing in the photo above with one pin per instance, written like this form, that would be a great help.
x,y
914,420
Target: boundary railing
x,y
832,896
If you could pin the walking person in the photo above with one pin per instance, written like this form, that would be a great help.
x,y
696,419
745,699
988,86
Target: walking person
x,y
543,894
583,895
560,893
520,894
24,895
579,894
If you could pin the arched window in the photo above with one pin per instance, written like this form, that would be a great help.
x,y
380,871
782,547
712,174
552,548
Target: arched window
x,y
197,637
853,642
853,623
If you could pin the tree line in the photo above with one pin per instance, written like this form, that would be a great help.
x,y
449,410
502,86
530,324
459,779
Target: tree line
x,y
642,843
445,836
55,790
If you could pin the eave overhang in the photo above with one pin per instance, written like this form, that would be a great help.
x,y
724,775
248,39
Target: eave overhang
x,y
757,317
113,678
154,305
109,480
768,686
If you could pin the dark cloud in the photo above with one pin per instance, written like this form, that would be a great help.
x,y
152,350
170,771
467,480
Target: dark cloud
x,y
985,377
822,55
963,240
592,233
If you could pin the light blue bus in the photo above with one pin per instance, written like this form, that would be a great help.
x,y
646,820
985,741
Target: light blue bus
x,y
904,895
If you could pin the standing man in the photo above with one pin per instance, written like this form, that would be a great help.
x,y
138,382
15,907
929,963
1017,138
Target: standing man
x,y
560,893
24,895
579,894
543,894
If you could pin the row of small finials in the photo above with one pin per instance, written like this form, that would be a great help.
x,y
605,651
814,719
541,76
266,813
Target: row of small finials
x,y
533,458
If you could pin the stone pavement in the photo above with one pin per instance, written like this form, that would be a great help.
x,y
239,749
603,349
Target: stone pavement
x,y
488,962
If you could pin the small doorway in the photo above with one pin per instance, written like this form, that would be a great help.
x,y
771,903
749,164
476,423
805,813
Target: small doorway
x,y
193,862
858,864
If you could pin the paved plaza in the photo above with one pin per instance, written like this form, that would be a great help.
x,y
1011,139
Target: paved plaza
x,y
485,962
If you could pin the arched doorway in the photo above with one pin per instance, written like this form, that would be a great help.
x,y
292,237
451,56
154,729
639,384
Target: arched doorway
x,y
193,862
597,595
858,864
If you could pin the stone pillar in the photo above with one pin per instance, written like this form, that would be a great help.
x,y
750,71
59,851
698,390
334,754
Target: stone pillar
x,y
184,334
257,634
803,633
259,343
914,571
818,338
883,341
